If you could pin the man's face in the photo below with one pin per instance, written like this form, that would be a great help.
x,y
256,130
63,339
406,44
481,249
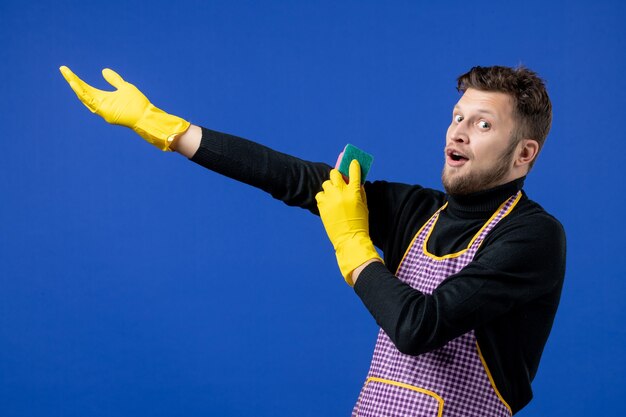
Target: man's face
x,y
479,147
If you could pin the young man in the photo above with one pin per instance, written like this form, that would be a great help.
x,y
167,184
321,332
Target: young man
x,y
471,278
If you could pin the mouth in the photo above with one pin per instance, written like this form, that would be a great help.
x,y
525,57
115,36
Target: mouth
x,y
455,158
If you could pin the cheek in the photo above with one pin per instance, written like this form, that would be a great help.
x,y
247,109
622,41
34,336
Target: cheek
x,y
483,152
490,154
448,132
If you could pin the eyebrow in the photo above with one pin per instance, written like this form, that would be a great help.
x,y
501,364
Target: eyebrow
x,y
483,111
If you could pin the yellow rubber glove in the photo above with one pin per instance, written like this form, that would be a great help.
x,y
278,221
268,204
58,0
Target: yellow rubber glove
x,y
127,106
343,209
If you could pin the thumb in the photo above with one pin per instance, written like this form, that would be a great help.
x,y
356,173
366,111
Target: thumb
x,y
355,174
113,77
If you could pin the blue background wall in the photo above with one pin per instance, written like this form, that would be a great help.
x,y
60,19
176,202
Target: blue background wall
x,y
133,282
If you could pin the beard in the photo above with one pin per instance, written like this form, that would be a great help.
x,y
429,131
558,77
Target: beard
x,y
458,184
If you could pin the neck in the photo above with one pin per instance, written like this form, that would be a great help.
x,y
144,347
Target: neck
x,y
483,202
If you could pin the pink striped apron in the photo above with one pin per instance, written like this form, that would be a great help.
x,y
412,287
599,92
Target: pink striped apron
x,y
452,381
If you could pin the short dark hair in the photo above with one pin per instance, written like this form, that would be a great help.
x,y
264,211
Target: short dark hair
x,y
533,109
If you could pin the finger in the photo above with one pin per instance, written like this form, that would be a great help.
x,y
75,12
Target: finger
x,y
319,197
113,77
327,186
71,79
336,179
78,85
364,196
65,71
86,93
355,174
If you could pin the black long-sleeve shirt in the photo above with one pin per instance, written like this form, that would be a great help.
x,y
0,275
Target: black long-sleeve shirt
x,y
508,294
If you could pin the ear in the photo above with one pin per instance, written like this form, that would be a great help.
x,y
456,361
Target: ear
x,y
527,151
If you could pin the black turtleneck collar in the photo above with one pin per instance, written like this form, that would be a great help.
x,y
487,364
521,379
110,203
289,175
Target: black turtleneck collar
x,y
483,203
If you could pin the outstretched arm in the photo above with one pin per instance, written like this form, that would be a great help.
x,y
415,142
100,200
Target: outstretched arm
x,y
187,143
287,178
129,107
292,180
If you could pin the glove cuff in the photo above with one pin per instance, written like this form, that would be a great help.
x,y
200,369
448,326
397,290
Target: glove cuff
x,y
159,128
353,253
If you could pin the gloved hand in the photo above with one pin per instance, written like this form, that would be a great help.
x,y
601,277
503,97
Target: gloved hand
x,y
127,106
343,209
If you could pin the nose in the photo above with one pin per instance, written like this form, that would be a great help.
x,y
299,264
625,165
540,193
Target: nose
x,y
457,132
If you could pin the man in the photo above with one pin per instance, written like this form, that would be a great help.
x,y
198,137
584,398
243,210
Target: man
x,y
471,278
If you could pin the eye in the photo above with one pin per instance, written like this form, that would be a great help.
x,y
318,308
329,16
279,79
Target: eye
x,y
458,118
484,124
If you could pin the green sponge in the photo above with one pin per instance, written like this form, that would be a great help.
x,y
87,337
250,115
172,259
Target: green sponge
x,y
349,153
